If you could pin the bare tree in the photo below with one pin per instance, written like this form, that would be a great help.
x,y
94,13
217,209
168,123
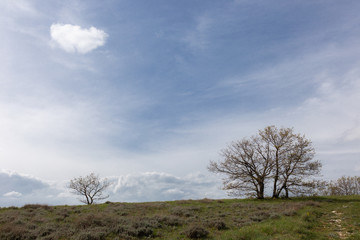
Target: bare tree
x,y
278,141
348,185
276,154
298,167
90,187
246,165
292,155
344,186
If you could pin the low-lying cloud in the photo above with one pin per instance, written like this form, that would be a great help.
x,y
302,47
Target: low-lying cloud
x,y
157,186
12,194
14,182
19,189
74,38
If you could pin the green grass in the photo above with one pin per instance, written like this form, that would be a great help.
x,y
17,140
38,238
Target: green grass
x,y
298,218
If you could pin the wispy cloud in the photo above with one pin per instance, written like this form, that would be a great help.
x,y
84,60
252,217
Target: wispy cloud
x,y
197,37
25,126
328,116
73,38
22,6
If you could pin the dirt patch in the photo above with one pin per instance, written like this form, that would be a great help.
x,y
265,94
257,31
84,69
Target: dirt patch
x,y
336,224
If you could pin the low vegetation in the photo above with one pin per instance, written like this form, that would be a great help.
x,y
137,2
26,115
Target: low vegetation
x,y
297,218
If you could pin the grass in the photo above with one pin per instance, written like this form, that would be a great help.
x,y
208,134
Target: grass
x,y
298,218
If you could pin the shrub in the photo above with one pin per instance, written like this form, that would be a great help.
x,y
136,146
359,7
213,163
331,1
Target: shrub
x,y
182,201
10,231
169,220
143,232
89,220
195,232
12,207
217,224
206,200
240,205
275,215
256,218
36,206
185,211
178,211
134,231
92,235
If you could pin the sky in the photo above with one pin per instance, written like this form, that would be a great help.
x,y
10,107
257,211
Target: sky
x,y
147,93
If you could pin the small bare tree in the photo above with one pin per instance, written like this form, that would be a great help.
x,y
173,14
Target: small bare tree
x,y
90,187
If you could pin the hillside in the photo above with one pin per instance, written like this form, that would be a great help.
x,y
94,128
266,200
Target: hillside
x,y
299,218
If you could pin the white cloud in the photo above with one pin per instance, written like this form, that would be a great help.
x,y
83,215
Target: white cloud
x,y
157,186
12,194
73,38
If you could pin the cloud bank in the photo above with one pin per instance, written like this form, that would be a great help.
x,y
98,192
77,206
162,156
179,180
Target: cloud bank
x,y
20,189
159,186
73,38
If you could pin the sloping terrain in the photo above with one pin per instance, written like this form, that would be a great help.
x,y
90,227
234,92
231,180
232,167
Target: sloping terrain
x,y
299,218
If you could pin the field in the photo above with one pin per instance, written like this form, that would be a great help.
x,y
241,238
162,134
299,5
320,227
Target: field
x,y
298,218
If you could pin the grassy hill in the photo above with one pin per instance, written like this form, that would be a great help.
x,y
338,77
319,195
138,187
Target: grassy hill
x,y
299,218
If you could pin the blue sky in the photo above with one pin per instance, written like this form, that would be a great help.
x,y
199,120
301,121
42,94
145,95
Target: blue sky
x,y
151,91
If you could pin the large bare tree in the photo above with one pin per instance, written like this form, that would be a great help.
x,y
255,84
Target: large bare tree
x,y
292,155
91,187
274,156
246,166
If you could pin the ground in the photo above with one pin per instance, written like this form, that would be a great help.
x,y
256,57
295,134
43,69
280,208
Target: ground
x,y
297,218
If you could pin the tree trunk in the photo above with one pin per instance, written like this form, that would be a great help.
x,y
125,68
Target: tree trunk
x,y
276,177
260,193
